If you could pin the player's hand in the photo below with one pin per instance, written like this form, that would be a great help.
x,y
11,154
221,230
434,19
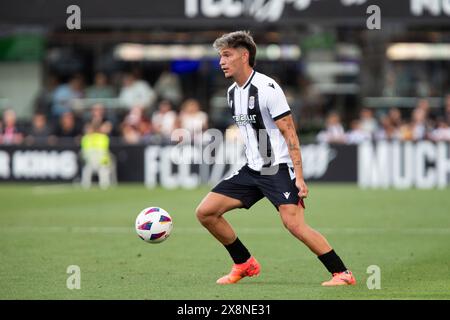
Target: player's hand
x,y
302,187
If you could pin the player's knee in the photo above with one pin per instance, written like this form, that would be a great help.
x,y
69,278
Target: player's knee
x,y
292,222
204,214
296,229
201,214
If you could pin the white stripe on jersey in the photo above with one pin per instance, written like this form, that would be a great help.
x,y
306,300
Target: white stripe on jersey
x,y
256,106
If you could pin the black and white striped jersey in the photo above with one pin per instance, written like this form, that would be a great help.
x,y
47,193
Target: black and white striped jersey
x,y
255,107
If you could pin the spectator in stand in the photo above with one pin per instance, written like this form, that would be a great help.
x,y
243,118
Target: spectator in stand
x,y
67,129
145,129
418,124
136,92
101,88
164,120
424,105
193,119
406,132
368,122
390,127
136,127
334,131
442,132
63,99
10,133
130,134
40,131
98,119
356,135
168,86
395,117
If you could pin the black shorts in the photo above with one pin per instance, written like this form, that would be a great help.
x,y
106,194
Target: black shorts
x,y
250,186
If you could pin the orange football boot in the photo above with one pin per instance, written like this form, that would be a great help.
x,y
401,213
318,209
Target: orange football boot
x,y
249,268
341,279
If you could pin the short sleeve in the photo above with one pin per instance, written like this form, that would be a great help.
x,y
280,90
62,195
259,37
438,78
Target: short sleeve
x,y
276,102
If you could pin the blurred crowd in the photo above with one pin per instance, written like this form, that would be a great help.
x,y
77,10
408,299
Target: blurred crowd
x,y
134,113
421,123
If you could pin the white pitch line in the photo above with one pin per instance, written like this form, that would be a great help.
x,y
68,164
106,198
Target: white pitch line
x,y
199,230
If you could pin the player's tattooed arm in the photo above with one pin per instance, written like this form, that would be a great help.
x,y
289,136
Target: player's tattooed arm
x,y
287,128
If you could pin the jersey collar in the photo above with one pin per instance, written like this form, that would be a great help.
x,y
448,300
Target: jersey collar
x,y
247,82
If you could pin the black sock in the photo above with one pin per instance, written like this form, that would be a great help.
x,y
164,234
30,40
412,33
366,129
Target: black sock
x,y
238,251
332,262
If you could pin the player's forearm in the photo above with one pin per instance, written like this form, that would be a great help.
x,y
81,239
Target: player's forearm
x,y
287,128
293,145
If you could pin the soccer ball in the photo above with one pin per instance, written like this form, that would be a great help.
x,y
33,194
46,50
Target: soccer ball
x,y
153,225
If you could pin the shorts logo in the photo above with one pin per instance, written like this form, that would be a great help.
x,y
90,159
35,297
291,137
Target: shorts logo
x,y
251,102
286,195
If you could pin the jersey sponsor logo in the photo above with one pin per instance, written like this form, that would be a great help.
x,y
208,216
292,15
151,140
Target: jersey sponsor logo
x,y
243,119
286,194
251,102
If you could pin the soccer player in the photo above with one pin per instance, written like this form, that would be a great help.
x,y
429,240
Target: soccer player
x,y
273,169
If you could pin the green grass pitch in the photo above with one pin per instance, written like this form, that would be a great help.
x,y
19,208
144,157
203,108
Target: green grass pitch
x,y
46,228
